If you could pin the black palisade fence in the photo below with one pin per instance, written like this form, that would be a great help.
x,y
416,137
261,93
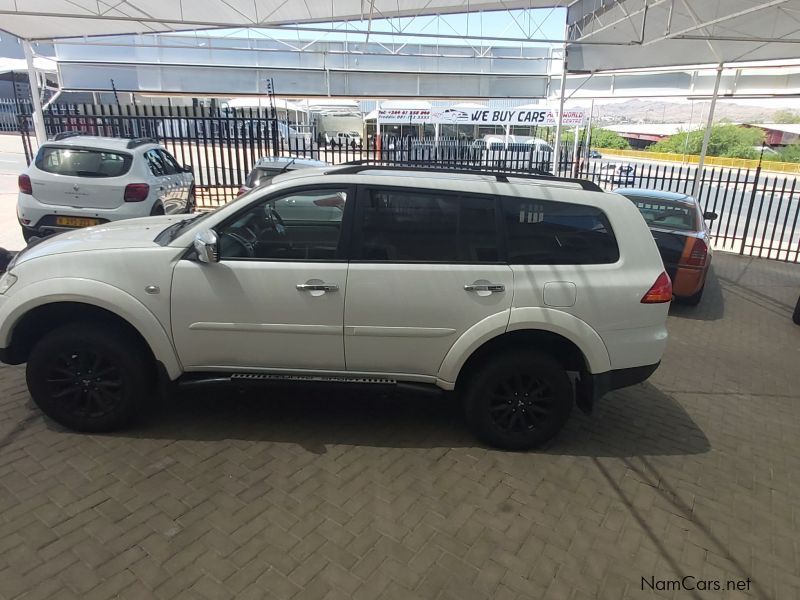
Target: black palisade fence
x,y
757,210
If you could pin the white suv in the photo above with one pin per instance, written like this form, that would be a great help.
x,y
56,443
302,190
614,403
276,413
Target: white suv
x,y
524,295
77,180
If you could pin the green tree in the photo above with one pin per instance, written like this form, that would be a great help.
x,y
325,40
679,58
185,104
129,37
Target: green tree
x,y
790,153
605,138
731,141
786,116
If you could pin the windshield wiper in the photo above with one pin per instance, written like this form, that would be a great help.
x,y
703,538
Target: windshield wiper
x,y
178,227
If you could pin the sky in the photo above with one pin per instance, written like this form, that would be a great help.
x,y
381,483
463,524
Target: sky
x,y
530,23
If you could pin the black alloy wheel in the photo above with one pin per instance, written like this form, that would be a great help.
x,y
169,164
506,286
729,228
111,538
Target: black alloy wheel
x,y
90,377
518,399
88,385
521,402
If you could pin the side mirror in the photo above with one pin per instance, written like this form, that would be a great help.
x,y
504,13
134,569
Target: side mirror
x,y
187,168
205,244
710,216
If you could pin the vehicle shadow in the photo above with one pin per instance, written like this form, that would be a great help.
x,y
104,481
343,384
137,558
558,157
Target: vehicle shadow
x,y
634,422
711,307
637,421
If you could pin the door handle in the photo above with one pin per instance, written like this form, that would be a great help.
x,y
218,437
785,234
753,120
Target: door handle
x,y
485,287
317,287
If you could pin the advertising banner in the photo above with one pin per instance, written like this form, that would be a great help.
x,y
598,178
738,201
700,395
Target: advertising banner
x,y
544,116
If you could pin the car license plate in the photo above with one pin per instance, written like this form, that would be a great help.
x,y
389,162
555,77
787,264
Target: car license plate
x,y
76,221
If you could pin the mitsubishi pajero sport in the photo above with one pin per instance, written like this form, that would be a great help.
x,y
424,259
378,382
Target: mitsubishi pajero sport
x,y
523,294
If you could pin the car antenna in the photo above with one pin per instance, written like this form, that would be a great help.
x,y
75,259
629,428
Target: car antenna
x,y
289,164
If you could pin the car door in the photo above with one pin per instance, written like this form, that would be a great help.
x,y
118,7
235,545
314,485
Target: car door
x,y
163,182
275,299
425,267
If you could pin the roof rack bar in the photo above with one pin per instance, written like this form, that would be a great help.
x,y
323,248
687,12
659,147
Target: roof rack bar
x,y
359,166
62,135
140,142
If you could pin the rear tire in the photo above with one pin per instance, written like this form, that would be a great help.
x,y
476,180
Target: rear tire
x,y
89,377
157,210
694,299
28,235
518,400
796,315
191,202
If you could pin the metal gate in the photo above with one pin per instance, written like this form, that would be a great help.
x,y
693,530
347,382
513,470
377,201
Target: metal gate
x,y
758,210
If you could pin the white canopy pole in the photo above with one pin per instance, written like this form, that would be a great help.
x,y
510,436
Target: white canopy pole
x,y
707,135
38,119
557,152
589,129
575,152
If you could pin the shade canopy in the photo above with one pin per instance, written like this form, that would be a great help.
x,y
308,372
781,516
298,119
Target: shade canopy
x,y
659,33
51,19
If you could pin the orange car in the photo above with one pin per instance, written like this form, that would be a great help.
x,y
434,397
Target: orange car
x,y
682,236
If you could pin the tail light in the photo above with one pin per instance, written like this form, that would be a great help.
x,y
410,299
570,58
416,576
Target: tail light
x,y
241,191
24,183
136,192
660,291
698,254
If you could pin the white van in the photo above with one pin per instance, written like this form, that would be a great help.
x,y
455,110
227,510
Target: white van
x,y
518,152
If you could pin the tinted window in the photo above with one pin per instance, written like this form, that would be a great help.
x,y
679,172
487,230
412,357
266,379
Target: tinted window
x,y
303,225
170,163
427,227
82,162
666,213
555,233
156,163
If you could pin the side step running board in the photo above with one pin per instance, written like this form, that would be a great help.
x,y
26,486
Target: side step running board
x,y
200,379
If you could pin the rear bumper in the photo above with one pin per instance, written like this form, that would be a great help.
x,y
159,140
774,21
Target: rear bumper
x,y
591,388
687,281
620,378
36,217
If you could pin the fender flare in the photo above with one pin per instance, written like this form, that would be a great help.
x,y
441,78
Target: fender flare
x,y
93,293
564,324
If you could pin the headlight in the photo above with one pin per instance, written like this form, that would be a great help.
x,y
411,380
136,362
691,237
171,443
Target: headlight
x,y
6,281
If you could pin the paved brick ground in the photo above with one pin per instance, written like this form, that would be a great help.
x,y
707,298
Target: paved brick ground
x,y
694,473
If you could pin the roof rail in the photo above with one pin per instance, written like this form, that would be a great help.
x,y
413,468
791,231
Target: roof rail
x,y
62,135
136,142
360,166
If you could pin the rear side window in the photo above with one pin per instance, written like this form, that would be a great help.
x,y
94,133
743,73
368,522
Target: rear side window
x,y
541,232
169,162
82,162
427,226
156,163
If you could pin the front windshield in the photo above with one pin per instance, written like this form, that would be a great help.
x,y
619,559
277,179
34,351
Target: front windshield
x,y
174,230
666,214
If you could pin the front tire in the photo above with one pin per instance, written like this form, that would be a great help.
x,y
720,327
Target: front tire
x,y
518,400
88,377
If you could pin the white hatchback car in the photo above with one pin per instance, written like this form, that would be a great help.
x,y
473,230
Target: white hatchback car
x,y
77,180
523,294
